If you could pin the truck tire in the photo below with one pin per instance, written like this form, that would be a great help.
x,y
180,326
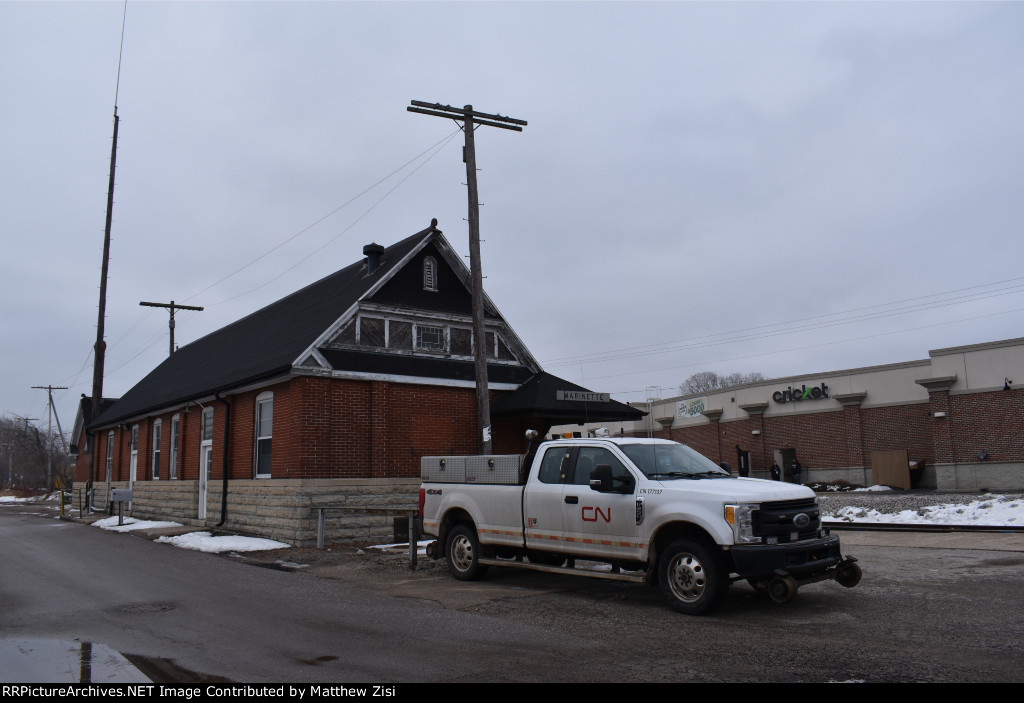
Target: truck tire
x,y
462,552
693,578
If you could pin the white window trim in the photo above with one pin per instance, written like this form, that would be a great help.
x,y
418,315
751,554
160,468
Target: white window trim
x,y
265,397
172,464
110,456
154,462
205,442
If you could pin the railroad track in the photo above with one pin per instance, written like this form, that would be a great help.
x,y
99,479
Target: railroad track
x,y
923,527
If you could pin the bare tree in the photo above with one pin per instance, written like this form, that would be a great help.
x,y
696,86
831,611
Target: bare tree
x,y
23,459
705,381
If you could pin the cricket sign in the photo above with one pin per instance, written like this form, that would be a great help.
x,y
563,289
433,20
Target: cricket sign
x,y
792,394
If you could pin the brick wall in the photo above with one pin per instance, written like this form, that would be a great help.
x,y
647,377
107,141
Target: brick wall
x,y
838,444
322,428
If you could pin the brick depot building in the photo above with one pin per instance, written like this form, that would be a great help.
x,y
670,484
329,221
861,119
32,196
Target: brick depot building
x,y
953,421
328,396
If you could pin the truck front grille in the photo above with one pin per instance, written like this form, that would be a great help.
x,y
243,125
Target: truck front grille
x,y
782,520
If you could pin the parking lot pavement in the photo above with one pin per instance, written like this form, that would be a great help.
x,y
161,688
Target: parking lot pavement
x,y
988,541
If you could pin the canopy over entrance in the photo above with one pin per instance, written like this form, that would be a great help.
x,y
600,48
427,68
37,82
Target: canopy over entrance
x,y
561,403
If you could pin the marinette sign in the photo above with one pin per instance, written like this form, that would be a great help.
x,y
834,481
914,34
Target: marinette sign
x,y
583,396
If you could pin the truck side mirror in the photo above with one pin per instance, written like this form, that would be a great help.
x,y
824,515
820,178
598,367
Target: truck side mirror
x,y
601,479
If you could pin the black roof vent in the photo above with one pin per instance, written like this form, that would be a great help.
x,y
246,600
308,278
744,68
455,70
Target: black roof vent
x,y
372,253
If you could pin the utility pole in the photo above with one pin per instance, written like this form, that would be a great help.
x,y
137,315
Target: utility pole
x,y
469,118
51,411
172,306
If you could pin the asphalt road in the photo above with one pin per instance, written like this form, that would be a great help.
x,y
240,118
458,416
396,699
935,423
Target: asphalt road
x,y
930,608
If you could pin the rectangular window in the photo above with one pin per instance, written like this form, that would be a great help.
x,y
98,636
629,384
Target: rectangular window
x,y
110,455
462,341
371,332
399,335
157,427
173,464
264,434
206,444
429,338
206,432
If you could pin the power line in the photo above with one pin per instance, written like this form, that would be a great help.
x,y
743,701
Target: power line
x,y
305,229
435,147
781,327
356,221
799,348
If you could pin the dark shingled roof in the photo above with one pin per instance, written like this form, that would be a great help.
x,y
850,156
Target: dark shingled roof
x,y
536,398
261,345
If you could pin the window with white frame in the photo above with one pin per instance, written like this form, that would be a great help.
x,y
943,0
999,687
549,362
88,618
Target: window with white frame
x,y
172,464
430,273
110,455
157,429
430,338
206,443
264,433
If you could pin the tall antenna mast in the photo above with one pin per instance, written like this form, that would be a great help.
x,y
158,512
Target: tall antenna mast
x,y
101,346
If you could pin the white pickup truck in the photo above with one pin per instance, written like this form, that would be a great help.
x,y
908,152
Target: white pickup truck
x,y
656,511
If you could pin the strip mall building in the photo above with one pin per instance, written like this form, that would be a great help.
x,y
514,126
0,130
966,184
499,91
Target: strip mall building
x,y
952,421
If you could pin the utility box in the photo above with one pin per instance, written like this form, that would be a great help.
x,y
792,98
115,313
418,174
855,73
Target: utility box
x,y
443,469
494,468
121,495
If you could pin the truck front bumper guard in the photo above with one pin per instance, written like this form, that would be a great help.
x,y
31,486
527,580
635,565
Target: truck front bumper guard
x,y
800,559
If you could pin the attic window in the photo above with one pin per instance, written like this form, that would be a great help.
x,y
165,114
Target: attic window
x,y
429,338
430,273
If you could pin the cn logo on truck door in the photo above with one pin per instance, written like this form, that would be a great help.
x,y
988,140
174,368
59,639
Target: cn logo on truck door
x,y
590,513
600,523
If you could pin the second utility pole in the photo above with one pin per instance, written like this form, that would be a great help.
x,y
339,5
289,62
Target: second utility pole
x,y
469,118
172,306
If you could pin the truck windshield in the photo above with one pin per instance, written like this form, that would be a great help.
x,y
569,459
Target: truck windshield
x,y
672,461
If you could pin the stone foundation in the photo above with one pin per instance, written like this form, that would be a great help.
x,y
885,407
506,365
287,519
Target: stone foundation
x,y
281,509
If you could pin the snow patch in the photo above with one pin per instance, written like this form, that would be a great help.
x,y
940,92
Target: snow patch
x,y
206,542
991,510
130,523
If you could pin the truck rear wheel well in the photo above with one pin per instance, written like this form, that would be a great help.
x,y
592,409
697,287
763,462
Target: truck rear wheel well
x,y
455,516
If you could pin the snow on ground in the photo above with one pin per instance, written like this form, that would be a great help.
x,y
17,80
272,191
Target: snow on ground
x,y
421,547
130,524
206,542
989,510
199,541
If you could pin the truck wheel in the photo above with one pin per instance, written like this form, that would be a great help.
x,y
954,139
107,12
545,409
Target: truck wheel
x,y
462,551
782,589
692,577
848,574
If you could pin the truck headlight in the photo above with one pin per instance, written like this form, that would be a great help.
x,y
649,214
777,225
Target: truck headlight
x,y
741,518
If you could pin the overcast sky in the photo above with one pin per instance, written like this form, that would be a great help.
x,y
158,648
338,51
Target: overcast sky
x,y
787,188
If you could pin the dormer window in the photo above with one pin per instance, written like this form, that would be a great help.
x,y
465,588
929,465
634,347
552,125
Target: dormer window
x,y
430,273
